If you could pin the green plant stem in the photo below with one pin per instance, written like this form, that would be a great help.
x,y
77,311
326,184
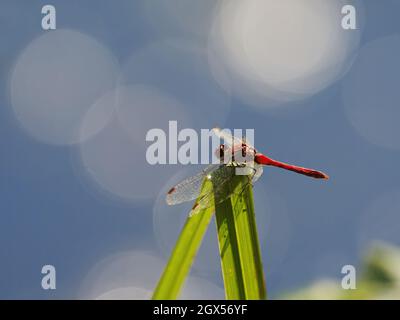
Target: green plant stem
x,y
238,242
184,252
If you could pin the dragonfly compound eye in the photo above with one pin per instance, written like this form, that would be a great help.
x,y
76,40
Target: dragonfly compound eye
x,y
221,151
244,149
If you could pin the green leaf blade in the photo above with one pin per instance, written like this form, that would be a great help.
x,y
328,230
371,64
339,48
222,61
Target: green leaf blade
x,y
184,252
238,242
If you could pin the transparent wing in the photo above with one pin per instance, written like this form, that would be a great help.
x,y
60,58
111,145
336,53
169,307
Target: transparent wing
x,y
189,188
258,172
222,177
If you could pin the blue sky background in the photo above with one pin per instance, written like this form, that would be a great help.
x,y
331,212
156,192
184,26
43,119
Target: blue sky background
x,y
51,212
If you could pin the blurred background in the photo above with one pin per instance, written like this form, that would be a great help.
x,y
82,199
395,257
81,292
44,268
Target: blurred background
x,y
76,104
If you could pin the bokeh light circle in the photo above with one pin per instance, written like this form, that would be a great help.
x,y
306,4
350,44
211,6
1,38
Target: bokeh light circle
x,y
134,275
140,269
56,79
280,51
115,158
169,220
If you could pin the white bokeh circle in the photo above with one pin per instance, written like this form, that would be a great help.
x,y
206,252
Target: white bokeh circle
x,y
55,80
280,51
371,95
140,269
134,275
115,158
169,220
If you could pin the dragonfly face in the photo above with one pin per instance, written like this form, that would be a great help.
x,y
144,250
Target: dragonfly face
x,y
220,152
239,153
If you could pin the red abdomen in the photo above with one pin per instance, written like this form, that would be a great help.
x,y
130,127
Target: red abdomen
x,y
264,160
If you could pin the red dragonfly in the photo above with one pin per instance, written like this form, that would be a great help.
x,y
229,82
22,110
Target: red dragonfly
x,y
222,174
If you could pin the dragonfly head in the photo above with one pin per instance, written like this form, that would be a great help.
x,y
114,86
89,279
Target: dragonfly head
x,y
224,153
239,152
220,152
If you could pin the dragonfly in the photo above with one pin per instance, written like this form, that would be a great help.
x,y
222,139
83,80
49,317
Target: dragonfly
x,y
222,174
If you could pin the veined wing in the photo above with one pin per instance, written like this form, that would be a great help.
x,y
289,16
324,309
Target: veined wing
x,y
258,172
222,178
189,189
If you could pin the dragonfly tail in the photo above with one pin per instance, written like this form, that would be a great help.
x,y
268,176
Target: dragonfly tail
x,y
264,160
